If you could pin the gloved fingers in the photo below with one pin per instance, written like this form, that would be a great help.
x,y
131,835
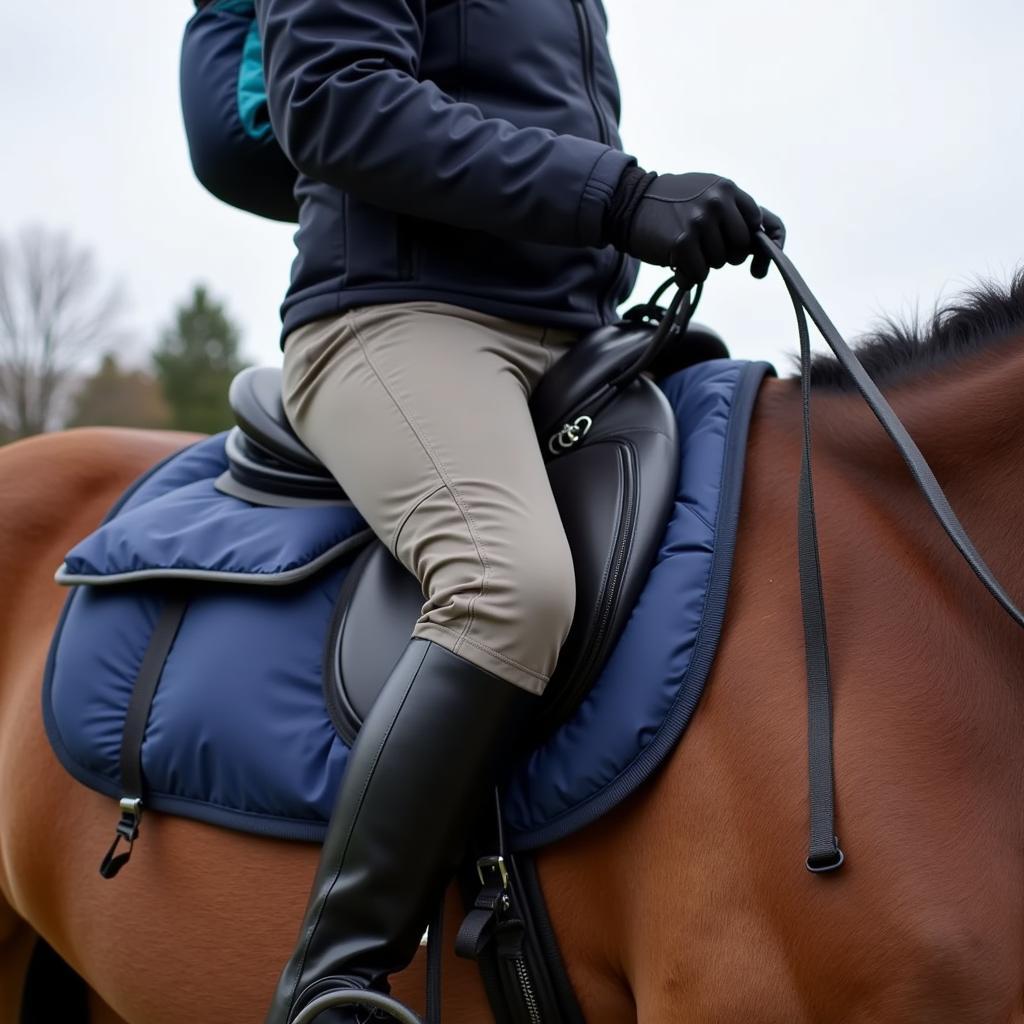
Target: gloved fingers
x,y
687,259
773,227
738,239
776,231
749,209
712,243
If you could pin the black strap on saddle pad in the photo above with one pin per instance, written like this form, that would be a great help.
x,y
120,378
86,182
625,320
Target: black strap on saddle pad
x,y
136,717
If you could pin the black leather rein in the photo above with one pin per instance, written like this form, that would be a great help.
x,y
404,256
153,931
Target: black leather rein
x,y
824,853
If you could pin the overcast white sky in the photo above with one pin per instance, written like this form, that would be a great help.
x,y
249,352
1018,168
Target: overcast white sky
x,y
887,133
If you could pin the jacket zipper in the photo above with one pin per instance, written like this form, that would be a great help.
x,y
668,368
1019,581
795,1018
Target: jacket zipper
x,y
587,43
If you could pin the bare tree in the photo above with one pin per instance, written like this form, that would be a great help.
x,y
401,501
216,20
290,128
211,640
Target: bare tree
x,y
53,312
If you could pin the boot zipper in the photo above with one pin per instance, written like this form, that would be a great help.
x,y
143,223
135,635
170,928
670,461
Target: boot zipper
x,y
587,43
526,990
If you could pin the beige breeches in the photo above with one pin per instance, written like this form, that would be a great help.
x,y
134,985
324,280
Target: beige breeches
x,y
419,409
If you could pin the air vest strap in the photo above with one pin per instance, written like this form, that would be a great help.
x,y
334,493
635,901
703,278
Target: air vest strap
x,y
136,717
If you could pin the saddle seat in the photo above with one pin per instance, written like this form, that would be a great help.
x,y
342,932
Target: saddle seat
x,y
614,491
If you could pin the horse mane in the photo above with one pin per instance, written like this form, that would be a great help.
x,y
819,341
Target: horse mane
x,y
898,350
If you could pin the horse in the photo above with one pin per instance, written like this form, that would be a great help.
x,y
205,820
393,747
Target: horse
x,y
690,902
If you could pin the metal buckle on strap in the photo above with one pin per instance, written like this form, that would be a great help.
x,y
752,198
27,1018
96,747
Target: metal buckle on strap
x,y
496,864
127,831
570,435
131,815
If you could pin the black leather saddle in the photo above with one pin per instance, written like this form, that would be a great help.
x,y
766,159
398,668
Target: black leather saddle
x,y
614,486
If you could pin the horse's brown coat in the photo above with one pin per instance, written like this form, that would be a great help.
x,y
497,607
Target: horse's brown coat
x,y
690,903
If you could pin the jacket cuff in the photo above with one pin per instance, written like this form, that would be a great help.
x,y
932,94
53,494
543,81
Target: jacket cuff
x,y
597,196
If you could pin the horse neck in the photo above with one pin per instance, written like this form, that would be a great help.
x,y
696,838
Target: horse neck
x,y
929,704
968,422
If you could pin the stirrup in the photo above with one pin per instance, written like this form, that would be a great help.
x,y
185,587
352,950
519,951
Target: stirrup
x,y
356,997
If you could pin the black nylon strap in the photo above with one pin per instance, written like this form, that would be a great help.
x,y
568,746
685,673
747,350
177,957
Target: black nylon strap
x,y
824,853
146,682
478,927
136,717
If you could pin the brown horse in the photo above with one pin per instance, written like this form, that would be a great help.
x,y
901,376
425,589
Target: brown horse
x,y
691,902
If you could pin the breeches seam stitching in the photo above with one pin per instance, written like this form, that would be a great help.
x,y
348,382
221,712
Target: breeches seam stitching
x,y
435,461
408,515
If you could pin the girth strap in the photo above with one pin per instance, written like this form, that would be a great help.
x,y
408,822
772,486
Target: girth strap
x,y
136,717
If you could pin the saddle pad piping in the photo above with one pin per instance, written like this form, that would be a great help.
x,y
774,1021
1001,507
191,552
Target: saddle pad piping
x,y
256,579
648,760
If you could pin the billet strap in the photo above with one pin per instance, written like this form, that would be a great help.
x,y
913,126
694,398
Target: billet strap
x,y
824,853
136,717
479,925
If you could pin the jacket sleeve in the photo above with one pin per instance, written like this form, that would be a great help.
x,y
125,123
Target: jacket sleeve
x,y
348,109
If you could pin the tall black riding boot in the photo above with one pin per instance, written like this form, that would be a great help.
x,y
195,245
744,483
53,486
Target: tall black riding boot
x,y
424,759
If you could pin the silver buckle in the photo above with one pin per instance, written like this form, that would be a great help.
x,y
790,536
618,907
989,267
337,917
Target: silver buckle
x,y
570,435
131,806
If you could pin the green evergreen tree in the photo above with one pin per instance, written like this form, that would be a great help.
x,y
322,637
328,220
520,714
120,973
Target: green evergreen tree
x,y
195,362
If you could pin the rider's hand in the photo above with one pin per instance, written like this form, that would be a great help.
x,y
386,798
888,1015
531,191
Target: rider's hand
x,y
690,222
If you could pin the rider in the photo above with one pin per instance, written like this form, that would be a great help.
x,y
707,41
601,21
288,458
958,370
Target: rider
x,y
465,212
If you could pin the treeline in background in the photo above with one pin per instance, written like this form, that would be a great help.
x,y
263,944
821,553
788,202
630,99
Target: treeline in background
x,y
66,360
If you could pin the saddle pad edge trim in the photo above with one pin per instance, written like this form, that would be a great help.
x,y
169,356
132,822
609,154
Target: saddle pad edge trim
x,y
691,688
256,579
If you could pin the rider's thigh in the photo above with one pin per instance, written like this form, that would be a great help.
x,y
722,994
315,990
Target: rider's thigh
x,y
420,410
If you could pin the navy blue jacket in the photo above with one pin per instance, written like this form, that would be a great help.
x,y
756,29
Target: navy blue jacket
x,y
457,150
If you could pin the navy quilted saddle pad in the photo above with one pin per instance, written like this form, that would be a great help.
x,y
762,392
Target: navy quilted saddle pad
x,y
239,733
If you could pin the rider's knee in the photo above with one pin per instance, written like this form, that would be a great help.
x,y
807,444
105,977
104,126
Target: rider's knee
x,y
543,583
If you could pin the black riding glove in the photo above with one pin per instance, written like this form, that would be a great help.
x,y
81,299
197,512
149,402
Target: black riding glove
x,y
690,222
